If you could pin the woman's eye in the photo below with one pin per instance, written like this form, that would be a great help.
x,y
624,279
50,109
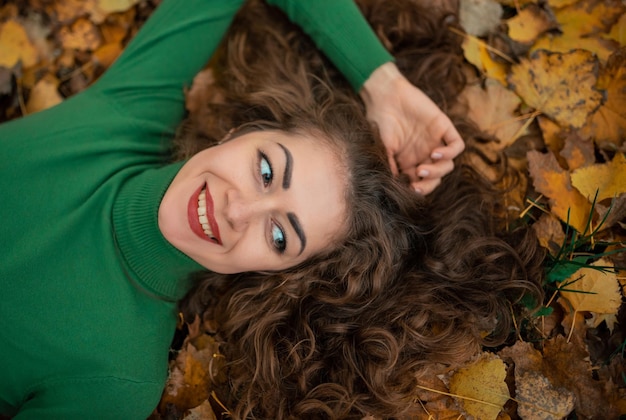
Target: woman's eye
x,y
265,168
278,239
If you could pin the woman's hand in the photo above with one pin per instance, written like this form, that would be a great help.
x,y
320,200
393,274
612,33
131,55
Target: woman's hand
x,y
421,140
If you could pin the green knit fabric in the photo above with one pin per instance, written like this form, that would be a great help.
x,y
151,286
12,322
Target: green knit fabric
x,y
89,284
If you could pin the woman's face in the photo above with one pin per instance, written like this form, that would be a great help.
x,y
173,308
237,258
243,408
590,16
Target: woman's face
x,y
265,200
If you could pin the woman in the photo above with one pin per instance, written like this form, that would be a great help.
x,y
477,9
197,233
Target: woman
x,y
353,332
100,232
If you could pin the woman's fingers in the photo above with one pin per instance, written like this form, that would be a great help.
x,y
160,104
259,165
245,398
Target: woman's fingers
x,y
426,186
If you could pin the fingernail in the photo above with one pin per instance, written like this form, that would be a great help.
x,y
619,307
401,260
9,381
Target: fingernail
x,y
436,155
423,173
419,191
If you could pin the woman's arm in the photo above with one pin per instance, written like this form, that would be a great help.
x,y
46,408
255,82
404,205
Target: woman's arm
x,y
421,140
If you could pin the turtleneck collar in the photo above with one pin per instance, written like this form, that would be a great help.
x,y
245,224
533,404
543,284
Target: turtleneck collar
x,y
150,259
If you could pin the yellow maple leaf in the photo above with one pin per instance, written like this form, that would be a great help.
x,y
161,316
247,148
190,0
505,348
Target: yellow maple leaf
x,y
566,202
593,290
476,51
529,23
16,46
607,126
607,179
588,17
564,43
581,25
480,387
560,85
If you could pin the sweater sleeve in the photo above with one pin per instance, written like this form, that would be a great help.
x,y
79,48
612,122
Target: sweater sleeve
x,y
148,79
340,30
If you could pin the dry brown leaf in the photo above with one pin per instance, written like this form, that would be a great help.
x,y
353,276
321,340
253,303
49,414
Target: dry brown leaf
x,y
113,6
202,412
538,399
607,126
618,31
16,46
493,109
8,12
561,86
190,377
567,365
557,4
549,232
67,11
578,152
480,388
516,3
477,53
82,35
608,180
107,54
479,17
593,290
529,23
567,203
552,134
44,95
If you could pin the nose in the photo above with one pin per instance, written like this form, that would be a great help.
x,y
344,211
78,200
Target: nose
x,y
243,209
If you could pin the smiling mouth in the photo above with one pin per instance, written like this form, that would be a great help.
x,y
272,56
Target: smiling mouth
x,y
202,216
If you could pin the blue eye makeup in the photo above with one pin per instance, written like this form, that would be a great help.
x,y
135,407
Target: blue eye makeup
x,y
278,239
265,169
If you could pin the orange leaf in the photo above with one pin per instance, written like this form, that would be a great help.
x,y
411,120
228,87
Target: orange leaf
x,y
16,46
554,182
529,23
607,126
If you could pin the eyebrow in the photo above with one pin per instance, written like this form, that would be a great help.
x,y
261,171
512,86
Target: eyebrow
x,y
288,166
293,219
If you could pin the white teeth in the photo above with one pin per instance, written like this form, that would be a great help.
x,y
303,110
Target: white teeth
x,y
202,218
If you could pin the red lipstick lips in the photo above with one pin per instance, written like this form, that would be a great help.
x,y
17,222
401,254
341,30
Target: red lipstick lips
x,y
193,217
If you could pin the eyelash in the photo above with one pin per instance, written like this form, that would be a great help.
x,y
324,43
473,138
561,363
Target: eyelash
x,y
278,236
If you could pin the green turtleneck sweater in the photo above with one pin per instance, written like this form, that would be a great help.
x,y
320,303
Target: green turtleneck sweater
x,y
88,283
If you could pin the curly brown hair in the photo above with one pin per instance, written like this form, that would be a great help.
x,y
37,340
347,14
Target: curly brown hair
x,y
416,281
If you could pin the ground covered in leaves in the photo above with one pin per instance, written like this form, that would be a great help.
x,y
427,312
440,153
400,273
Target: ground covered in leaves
x,y
549,81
